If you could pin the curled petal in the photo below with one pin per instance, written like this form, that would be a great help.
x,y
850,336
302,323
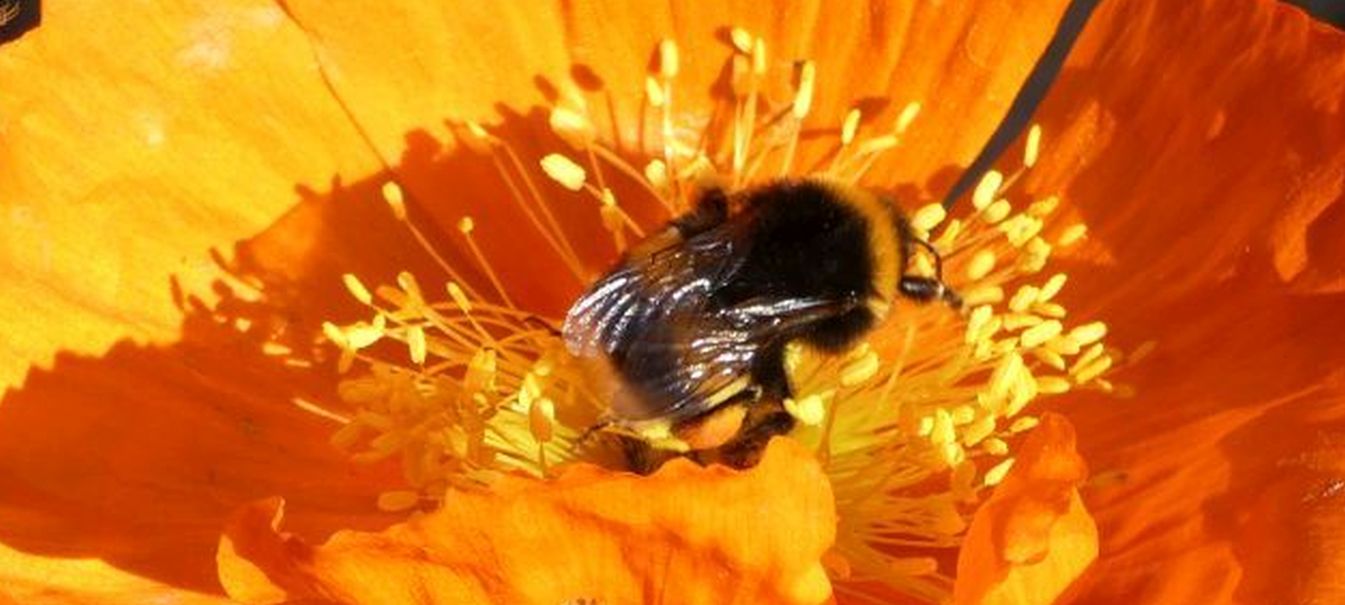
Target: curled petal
x,y
710,534
1033,537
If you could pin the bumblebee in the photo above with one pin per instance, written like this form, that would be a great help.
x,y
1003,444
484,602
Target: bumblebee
x,y
688,331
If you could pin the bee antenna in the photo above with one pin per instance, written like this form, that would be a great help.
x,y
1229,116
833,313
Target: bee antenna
x,y
546,325
938,259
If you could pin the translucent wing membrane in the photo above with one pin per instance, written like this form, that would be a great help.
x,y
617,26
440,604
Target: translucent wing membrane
x,y
676,352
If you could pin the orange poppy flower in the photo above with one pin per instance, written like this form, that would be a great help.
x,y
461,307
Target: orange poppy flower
x,y
141,437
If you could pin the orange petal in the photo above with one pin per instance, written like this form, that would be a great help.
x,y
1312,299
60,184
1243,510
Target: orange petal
x,y
1162,133
405,69
129,153
1202,142
121,470
708,535
1033,537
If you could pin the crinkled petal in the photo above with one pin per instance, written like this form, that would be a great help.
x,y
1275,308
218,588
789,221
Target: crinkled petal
x,y
1202,143
705,535
1033,537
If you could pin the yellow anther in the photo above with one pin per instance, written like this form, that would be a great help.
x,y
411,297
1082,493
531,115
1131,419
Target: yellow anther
x,y
1043,207
1088,333
656,172
1052,287
850,126
981,264
1092,370
668,62
996,211
878,144
392,195
978,430
1026,423
477,140
1040,333
415,344
459,297
1050,358
759,57
1024,298
335,334
860,370
987,189
997,473
803,98
357,289
742,40
1035,254
929,216
565,171
653,90
572,127
1033,146
1072,234
943,430
907,115
363,335
1053,385
983,295
995,446
980,316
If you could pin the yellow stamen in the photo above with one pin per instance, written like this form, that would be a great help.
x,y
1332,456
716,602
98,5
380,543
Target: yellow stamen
x,y
572,127
907,116
981,265
998,472
1072,235
1033,146
415,343
987,189
565,171
668,59
903,422
803,98
357,289
929,217
850,126
466,226
742,40
392,195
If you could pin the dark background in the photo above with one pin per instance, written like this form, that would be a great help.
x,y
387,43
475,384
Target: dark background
x,y
1331,11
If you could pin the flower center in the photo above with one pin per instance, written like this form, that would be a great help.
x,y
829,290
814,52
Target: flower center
x,y
914,425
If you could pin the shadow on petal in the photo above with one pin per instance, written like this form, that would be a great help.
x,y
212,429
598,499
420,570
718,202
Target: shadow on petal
x,y
137,457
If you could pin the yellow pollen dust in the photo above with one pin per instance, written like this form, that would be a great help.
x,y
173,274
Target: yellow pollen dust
x,y
915,426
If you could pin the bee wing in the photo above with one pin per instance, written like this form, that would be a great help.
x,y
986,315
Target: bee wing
x,y
674,281
690,364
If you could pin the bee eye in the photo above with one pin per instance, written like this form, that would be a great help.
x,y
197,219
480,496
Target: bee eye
x,y
921,289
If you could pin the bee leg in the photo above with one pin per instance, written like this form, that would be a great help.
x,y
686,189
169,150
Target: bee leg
x,y
767,420
642,458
